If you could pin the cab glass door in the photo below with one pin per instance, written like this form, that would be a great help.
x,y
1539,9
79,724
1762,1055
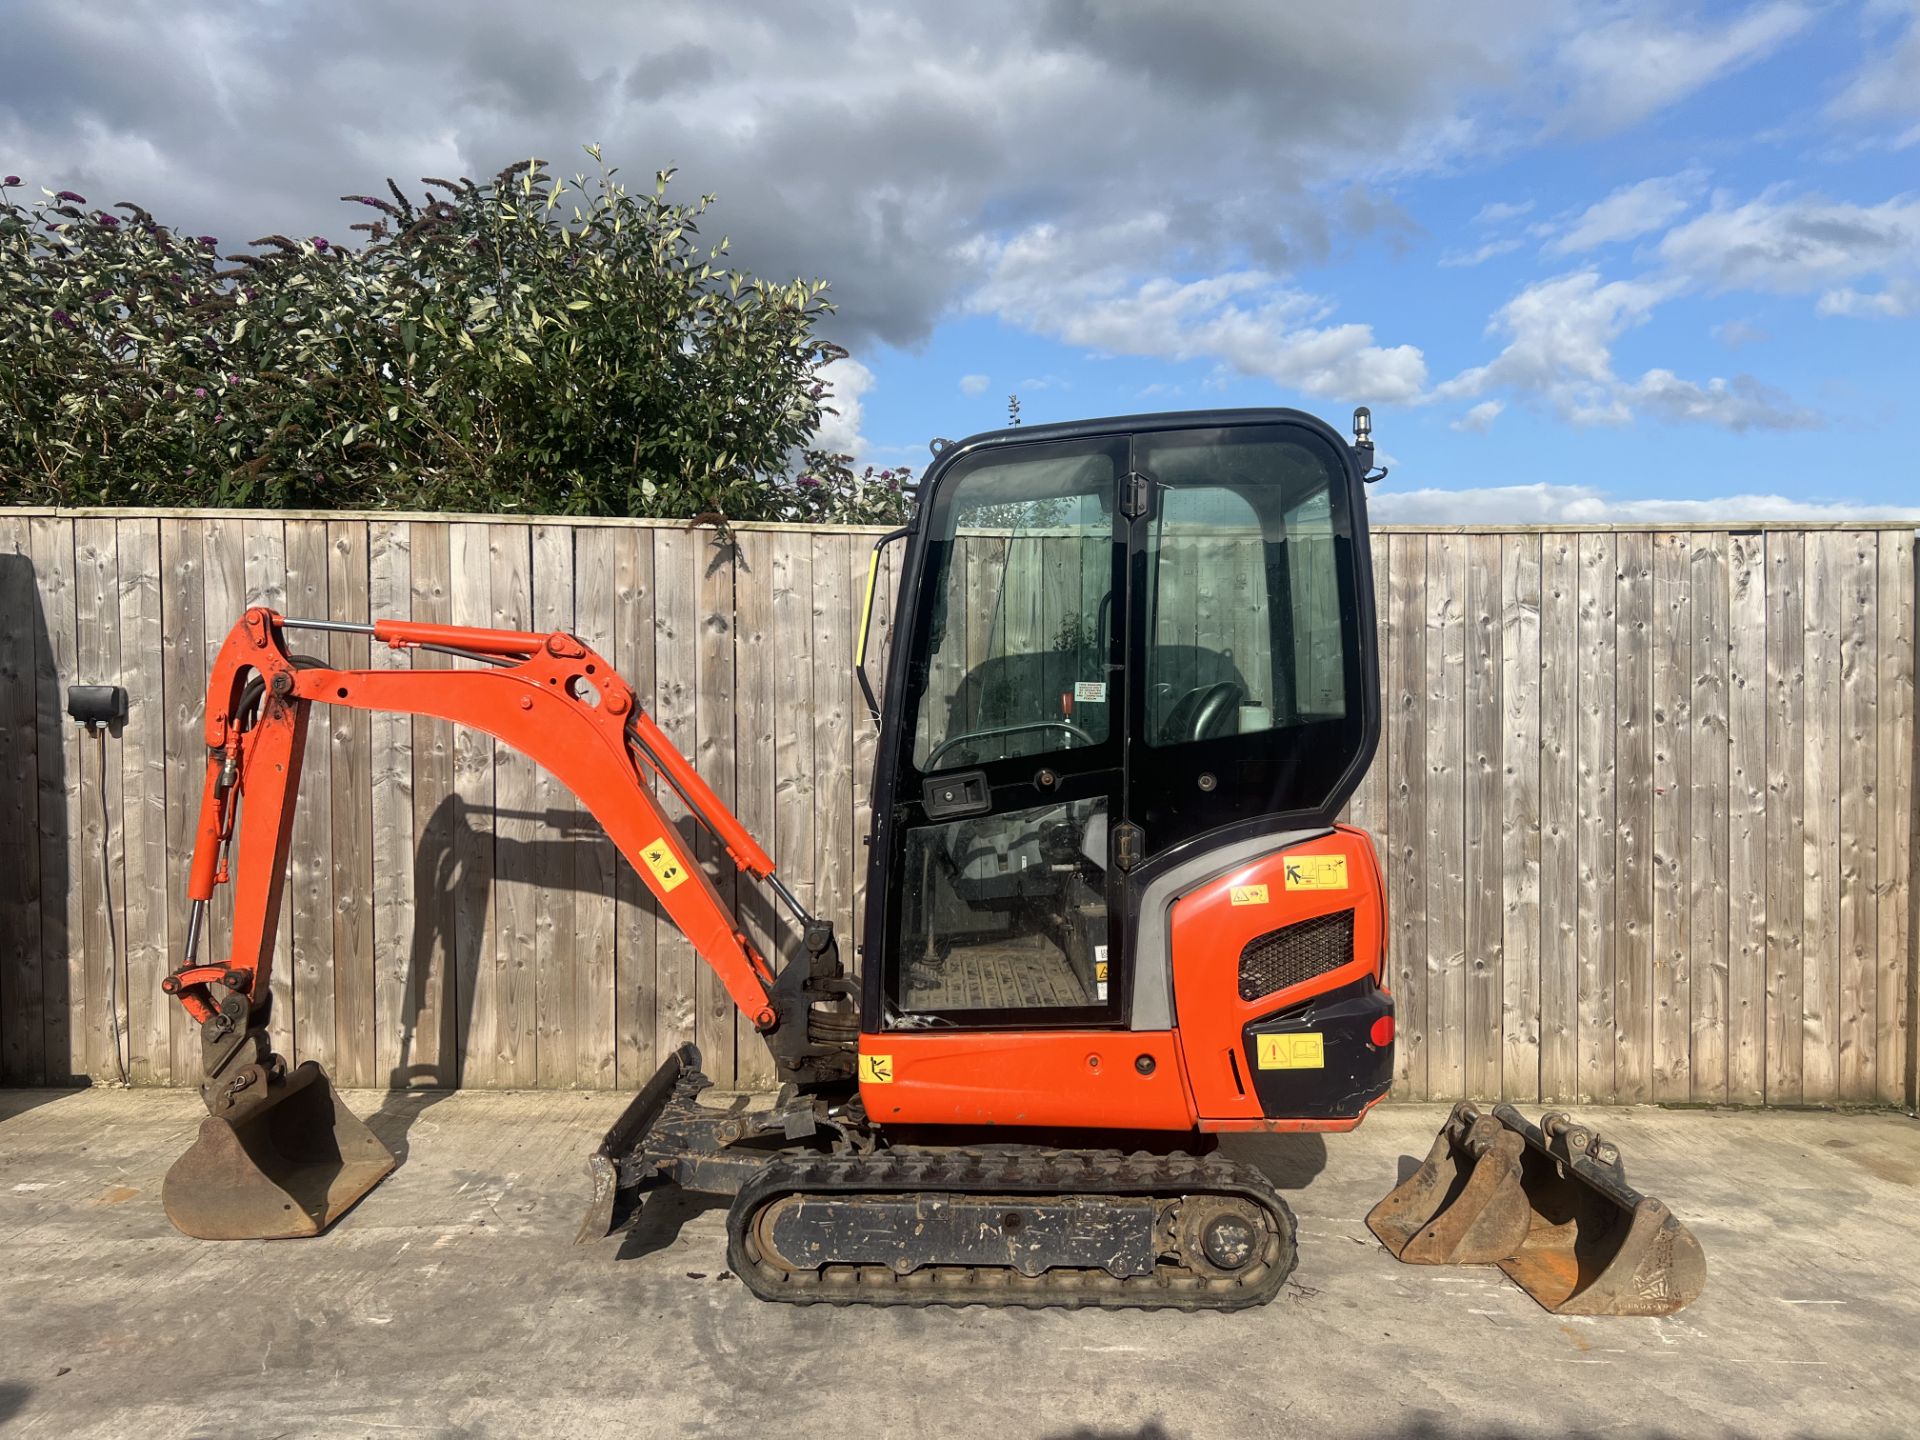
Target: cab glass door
x,y
1002,876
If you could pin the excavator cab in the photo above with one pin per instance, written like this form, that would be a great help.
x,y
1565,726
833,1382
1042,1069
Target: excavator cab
x,y
1133,677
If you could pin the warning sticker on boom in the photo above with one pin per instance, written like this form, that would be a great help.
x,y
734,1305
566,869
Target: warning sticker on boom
x,y
664,864
1315,872
1304,1051
1249,895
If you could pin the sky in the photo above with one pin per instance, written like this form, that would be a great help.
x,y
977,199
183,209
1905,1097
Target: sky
x,y
1584,261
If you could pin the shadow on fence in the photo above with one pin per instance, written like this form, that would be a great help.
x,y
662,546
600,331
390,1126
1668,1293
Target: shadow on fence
x,y
36,1008
459,861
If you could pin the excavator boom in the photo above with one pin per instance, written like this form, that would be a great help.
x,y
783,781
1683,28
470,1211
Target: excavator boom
x,y
551,698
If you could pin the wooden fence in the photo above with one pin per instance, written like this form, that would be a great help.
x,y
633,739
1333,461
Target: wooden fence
x,y
1645,799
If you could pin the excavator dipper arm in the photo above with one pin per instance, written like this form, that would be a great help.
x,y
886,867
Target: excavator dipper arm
x,y
279,1154
548,696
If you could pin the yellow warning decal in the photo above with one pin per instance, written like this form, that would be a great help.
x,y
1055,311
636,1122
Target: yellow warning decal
x,y
1292,1052
1315,872
664,864
1100,971
1249,894
876,1069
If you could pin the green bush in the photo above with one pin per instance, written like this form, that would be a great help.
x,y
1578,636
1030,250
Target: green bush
x,y
533,344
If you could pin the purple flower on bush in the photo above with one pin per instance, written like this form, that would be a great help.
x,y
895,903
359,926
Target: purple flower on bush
x,y
320,244
208,241
109,222
10,180
809,482
71,198
199,392
60,317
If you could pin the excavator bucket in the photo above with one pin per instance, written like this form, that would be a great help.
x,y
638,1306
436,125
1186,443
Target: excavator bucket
x,y
1464,1205
1550,1205
289,1164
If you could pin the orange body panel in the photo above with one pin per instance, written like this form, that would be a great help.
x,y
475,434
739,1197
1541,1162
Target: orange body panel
x,y
1211,925
1289,1127
1075,1078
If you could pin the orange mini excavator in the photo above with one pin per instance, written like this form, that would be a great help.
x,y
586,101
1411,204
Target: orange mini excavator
x,y
1110,913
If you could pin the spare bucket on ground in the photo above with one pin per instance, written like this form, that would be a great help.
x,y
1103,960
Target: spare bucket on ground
x,y
284,1158
1550,1205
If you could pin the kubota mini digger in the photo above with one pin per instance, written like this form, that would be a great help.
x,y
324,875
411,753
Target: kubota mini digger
x,y
1110,915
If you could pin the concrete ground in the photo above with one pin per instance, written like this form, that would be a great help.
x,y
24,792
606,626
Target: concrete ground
x,y
453,1302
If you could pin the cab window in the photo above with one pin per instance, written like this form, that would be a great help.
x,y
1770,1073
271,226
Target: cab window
x,y
1021,577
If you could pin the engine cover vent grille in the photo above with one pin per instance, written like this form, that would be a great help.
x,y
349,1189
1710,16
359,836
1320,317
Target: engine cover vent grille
x,y
1295,954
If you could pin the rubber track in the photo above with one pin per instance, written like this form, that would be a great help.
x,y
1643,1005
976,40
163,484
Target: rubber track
x,y
990,1172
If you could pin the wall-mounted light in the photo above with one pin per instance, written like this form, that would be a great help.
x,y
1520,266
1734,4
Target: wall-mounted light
x,y
98,707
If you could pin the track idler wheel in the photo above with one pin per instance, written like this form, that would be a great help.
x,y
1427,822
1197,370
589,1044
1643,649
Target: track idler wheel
x,y
1223,1236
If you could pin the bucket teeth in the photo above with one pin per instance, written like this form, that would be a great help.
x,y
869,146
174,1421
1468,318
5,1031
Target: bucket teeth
x,y
1548,1204
284,1163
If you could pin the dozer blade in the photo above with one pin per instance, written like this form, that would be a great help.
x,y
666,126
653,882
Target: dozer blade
x,y
1550,1205
626,1135
288,1164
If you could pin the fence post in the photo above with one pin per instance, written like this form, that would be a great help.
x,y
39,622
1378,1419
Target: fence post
x,y
1913,848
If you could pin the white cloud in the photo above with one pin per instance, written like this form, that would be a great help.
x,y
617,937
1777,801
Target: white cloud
x,y
1622,70
1481,254
1887,86
1735,333
846,380
859,143
1080,290
974,384
1629,212
1561,333
1546,504
1560,336
1793,244
1480,418
1498,212
1742,403
1900,299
